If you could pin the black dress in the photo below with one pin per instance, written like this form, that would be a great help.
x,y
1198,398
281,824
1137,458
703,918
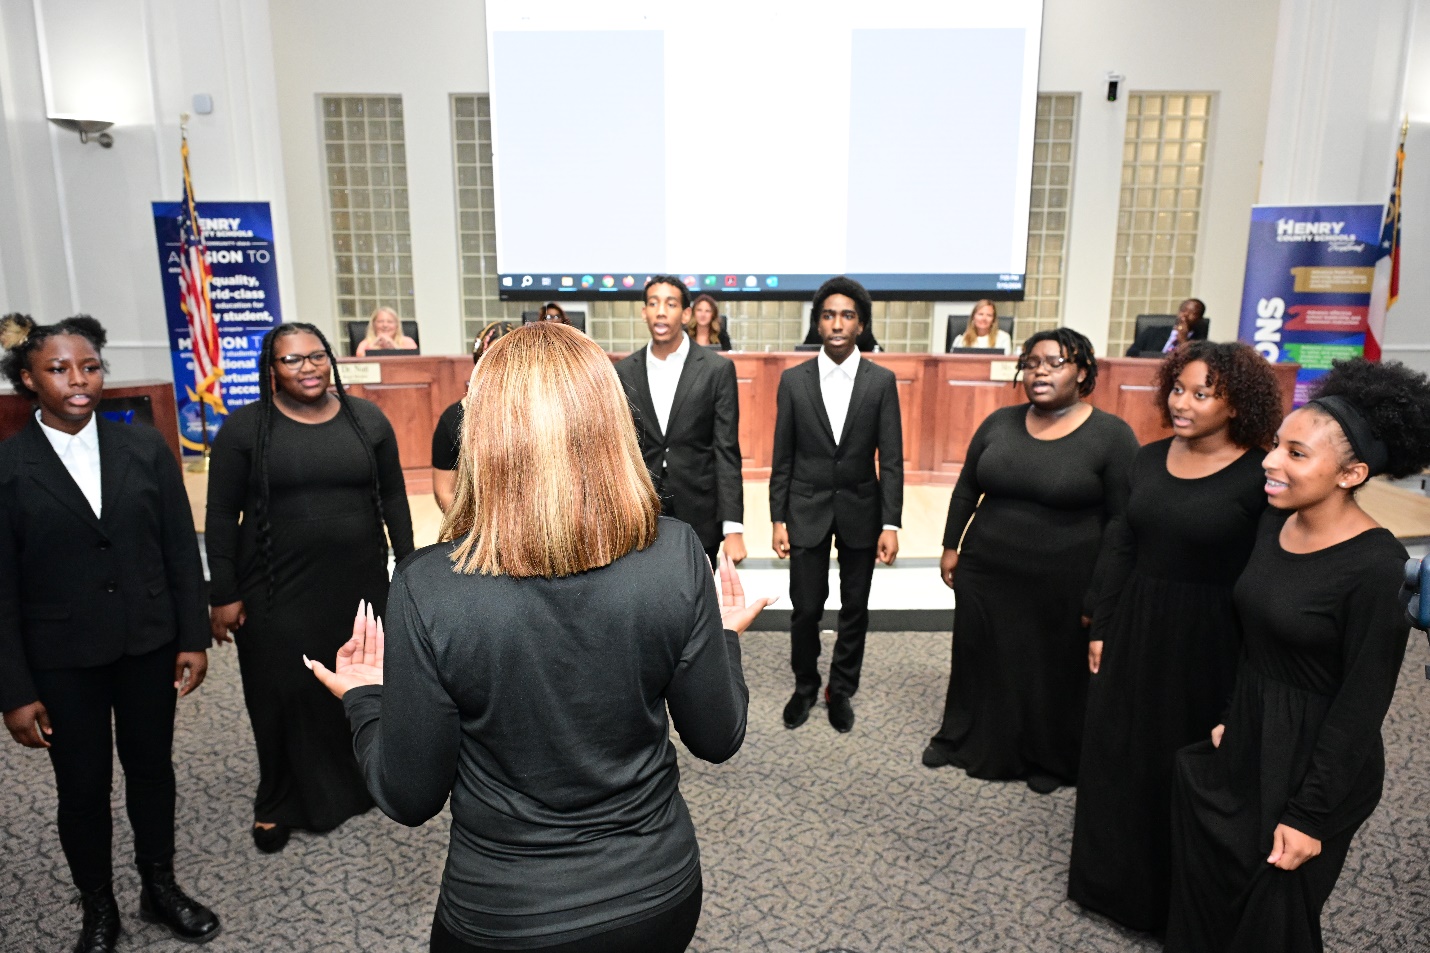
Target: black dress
x,y
1018,684
1171,642
327,552
1325,635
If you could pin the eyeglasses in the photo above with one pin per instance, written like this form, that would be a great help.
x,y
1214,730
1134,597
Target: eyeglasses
x,y
317,359
1033,363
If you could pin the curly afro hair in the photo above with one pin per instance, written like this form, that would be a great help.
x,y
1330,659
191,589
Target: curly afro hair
x,y
1238,375
1075,347
1395,402
22,337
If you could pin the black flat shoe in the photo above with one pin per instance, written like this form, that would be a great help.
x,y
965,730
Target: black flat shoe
x,y
161,901
797,709
841,713
100,933
270,840
1043,783
935,757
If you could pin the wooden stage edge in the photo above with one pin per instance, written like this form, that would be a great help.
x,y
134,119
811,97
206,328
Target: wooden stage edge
x,y
942,397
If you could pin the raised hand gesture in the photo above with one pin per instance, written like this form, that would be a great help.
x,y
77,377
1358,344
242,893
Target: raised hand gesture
x,y
735,615
359,661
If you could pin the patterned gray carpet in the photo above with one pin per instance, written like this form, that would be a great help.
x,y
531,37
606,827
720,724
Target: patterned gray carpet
x,y
812,841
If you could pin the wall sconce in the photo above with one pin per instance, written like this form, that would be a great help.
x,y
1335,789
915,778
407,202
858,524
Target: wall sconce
x,y
87,128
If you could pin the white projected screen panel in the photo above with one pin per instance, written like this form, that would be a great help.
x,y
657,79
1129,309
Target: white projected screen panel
x,y
758,148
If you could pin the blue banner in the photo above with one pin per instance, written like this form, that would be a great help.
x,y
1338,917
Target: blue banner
x,y
244,290
1309,271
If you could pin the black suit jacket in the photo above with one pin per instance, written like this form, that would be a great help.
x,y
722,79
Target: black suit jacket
x,y
1151,341
815,483
695,463
78,591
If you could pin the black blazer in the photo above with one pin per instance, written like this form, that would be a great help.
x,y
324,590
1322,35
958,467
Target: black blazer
x,y
696,465
78,591
1151,341
813,482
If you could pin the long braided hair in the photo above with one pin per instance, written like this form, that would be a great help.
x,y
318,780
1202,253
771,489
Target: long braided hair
x,y
265,432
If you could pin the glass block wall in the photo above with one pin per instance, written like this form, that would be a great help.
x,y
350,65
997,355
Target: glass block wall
x,y
1055,134
1159,214
365,161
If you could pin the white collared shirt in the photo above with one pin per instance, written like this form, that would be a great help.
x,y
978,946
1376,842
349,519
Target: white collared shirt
x,y
836,386
80,455
662,377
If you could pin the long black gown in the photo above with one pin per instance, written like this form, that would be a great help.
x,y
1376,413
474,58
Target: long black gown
x,y
327,553
1018,681
1324,636
1170,647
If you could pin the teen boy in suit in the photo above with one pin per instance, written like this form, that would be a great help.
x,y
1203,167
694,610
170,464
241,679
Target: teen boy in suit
x,y
835,413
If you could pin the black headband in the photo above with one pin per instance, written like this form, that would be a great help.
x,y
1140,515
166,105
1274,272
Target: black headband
x,y
1367,447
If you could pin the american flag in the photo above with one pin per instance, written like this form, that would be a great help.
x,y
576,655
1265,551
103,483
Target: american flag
x,y
194,276
1385,288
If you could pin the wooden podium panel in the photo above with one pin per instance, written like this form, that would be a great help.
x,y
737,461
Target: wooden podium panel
x,y
942,398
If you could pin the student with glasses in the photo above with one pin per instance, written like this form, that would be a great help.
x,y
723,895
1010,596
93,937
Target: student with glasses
x,y
1040,481
314,476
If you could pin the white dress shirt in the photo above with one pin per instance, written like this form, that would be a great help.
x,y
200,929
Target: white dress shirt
x,y
836,386
80,455
662,376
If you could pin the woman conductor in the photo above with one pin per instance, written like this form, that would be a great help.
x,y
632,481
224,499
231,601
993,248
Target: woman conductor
x,y
531,659
101,615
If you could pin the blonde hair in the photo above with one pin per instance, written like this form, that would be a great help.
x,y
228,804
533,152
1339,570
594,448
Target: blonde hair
x,y
371,338
550,478
970,333
715,323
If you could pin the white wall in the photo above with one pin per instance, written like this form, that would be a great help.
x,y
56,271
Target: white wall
x,y
86,236
1220,46
423,50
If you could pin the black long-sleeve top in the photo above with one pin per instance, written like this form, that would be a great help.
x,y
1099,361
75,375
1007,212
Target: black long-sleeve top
x,y
1035,487
316,472
540,706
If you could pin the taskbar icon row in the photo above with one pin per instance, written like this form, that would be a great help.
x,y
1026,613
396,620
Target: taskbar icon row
x,y
632,282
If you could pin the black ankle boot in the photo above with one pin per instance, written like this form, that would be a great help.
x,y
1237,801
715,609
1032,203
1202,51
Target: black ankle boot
x,y
100,932
161,901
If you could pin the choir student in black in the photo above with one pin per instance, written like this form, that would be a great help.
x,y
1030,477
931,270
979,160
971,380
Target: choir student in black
x,y
316,479
1263,812
1051,474
1164,634
101,621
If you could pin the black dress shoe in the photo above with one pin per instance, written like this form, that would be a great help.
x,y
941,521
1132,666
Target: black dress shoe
x,y
1043,783
161,901
935,757
270,840
797,709
100,932
841,713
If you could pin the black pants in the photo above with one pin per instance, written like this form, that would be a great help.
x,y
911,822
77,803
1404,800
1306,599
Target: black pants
x,y
808,591
668,932
139,690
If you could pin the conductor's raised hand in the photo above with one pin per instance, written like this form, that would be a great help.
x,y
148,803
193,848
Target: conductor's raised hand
x,y
359,661
734,613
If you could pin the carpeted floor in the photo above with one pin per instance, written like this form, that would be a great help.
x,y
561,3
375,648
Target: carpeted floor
x,y
812,841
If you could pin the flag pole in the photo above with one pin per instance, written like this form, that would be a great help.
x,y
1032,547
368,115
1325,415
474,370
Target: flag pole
x,y
201,465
